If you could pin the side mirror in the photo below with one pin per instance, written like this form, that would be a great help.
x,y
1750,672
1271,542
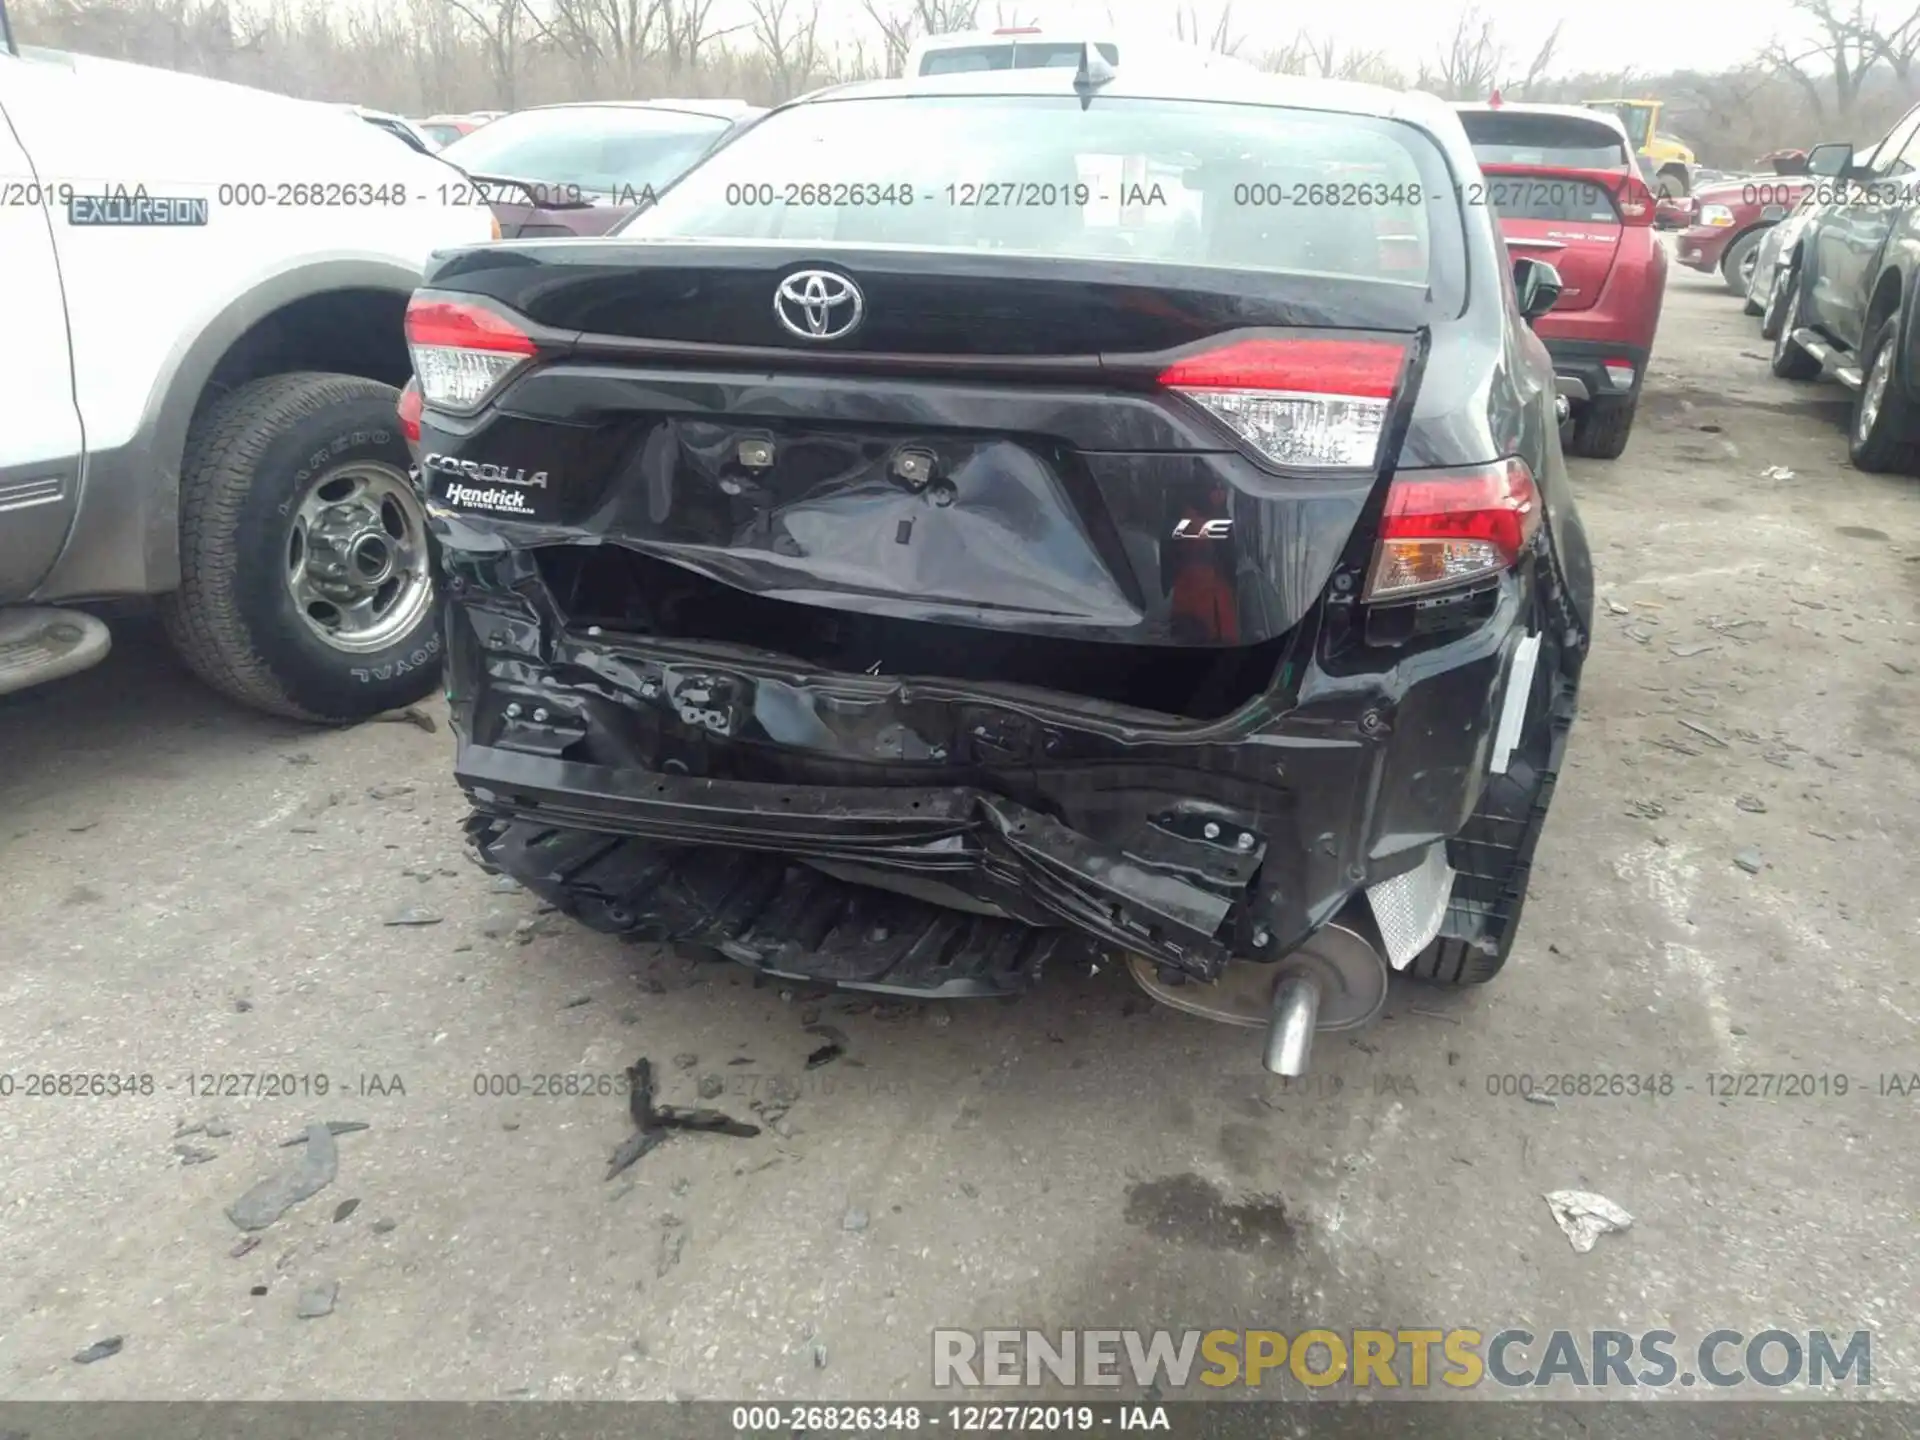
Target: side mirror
x,y
1830,160
1537,286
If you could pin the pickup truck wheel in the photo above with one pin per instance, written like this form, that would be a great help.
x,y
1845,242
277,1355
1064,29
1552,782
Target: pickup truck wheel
x,y
1885,426
306,567
1601,428
1736,265
1790,361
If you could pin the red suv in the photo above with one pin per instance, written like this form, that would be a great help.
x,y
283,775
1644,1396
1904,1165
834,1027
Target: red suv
x,y
1564,183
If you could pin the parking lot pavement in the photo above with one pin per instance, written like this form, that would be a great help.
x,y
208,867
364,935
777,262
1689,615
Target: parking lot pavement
x,y
1727,887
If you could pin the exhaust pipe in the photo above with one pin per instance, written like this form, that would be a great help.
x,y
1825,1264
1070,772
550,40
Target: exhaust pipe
x,y
1296,1006
1336,980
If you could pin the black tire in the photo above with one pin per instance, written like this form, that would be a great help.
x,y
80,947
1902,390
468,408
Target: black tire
x,y
1753,307
1736,264
1790,361
1775,310
249,457
1882,439
1601,427
1455,962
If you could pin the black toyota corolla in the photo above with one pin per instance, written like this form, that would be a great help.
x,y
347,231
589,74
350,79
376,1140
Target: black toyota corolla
x,y
1013,518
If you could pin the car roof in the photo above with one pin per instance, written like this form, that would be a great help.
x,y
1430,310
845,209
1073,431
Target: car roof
x,y
1604,118
1152,82
712,109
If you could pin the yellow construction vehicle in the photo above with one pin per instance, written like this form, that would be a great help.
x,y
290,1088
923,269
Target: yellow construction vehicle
x,y
1671,161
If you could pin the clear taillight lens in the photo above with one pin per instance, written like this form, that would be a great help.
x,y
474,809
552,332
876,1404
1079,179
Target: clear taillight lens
x,y
462,353
1317,404
1440,529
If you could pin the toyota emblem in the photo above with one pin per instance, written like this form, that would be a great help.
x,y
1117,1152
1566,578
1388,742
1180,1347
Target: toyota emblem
x,y
818,304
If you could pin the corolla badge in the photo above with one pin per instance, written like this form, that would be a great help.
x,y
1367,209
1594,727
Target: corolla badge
x,y
818,304
476,470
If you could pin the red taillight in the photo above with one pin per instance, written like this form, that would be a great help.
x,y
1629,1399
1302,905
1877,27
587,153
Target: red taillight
x,y
1445,528
1318,403
463,352
464,327
1636,201
411,404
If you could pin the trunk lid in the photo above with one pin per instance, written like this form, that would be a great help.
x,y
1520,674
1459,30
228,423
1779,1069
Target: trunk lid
x,y
989,445
1571,218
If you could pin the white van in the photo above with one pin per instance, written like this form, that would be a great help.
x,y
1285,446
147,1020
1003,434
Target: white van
x,y
1031,48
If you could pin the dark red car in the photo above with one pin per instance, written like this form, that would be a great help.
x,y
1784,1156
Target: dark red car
x,y
1567,190
580,169
1728,220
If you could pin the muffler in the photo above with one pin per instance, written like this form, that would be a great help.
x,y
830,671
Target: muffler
x,y
1335,981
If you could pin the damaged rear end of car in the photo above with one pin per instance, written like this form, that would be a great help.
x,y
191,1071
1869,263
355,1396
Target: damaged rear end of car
x,y
1058,552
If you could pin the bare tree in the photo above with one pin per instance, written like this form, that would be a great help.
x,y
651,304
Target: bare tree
x,y
614,37
1899,46
503,26
1008,17
899,28
1219,37
689,27
1835,63
1469,63
1542,59
787,32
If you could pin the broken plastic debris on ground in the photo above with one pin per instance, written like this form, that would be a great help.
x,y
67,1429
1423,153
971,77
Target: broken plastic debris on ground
x,y
652,1124
1584,1216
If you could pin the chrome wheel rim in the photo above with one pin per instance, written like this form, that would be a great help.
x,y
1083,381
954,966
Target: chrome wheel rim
x,y
357,559
1747,263
1874,393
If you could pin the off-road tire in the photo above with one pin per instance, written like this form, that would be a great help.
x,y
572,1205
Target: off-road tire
x,y
1601,427
1734,258
233,619
1889,447
1670,186
1790,361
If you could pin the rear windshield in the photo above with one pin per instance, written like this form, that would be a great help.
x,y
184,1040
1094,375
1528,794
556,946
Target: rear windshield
x,y
607,150
1509,138
1242,187
1515,197
1025,55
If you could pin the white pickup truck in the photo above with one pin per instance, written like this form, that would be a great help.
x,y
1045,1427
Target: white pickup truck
x,y
205,288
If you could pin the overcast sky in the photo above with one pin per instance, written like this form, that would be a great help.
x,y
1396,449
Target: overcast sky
x,y
1653,36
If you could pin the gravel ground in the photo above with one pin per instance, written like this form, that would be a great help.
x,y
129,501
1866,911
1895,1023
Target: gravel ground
x,y
1727,884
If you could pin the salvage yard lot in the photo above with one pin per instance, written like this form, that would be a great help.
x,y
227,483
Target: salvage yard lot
x,y
1727,887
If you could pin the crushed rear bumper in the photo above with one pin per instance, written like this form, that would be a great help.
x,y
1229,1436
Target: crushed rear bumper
x,y
1002,808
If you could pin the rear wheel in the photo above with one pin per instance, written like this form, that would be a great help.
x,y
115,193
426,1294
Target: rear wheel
x,y
306,569
1736,265
1601,428
1790,360
1885,424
